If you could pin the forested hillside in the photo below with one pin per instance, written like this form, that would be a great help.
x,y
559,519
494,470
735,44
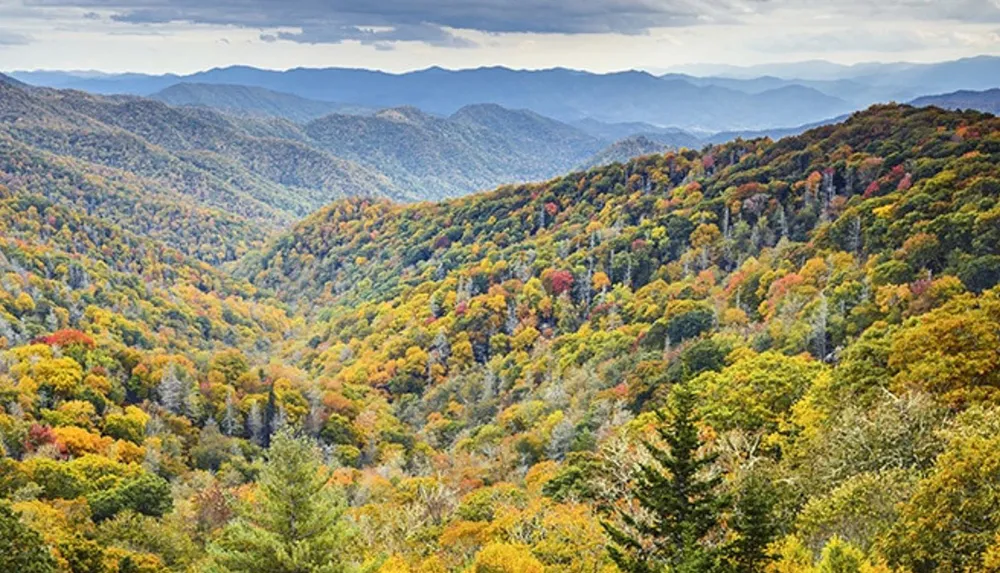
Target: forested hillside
x,y
622,151
764,356
271,171
445,157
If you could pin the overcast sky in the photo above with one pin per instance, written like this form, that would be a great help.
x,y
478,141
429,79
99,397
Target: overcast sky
x,y
601,35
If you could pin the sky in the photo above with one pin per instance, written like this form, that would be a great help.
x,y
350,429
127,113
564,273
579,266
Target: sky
x,y
183,36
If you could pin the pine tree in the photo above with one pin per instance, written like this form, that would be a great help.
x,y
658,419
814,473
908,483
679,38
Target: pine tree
x,y
296,525
681,501
753,526
270,415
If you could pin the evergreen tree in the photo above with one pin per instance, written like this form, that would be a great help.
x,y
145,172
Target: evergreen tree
x,y
753,527
270,415
681,502
295,527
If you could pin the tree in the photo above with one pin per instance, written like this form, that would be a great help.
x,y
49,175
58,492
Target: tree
x,y
951,519
270,415
148,494
679,498
295,526
754,527
173,391
506,558
22,548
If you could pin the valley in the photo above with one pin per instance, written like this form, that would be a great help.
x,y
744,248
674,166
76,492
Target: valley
x,y
250,328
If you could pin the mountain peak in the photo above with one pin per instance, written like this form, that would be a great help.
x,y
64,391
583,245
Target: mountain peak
x,y
403,114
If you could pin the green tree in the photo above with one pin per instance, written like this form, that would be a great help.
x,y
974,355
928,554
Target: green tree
x,y
295,527
679,497
22,548
753,525
148,494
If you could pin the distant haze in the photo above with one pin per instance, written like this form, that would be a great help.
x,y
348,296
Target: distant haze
x,y
737,100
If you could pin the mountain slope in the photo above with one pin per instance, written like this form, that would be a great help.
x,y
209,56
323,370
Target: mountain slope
x,y
270,170
203,156
437,157
7,80
986,101
522,213
622,151
252,101
534,135
65,268
475,384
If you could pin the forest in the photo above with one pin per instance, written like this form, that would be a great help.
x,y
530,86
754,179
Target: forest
x,y
761,356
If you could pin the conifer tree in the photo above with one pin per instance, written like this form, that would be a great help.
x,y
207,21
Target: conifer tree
x,y
753,526
295,526
681,501
270,415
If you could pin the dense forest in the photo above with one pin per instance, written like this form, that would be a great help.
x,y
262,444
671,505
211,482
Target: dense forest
x,y
757,357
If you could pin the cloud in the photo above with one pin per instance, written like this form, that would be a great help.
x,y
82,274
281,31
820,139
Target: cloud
x,y
864,40
8,38
383,23
380,38
429,21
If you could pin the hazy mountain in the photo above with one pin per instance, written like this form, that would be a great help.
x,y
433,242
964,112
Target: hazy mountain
x,y
622,151
987,101
534,134
617,131
252,101
775,134
861,84
856,92
979,73
7,80
270,169
559,93
97,82
816,70
478,147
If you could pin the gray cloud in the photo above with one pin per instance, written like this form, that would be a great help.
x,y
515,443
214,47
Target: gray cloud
x,y
8,38
382,39
427,21
382,23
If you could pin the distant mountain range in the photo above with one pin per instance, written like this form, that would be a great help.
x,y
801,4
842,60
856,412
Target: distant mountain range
x,y
566,95
987,101
254,163
253,101
270,156
976,73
